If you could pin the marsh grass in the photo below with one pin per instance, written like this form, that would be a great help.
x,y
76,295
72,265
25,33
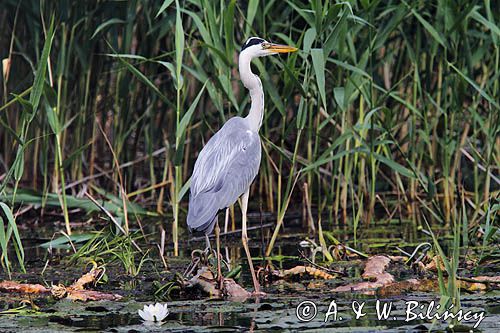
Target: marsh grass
x,y
388,109
107,248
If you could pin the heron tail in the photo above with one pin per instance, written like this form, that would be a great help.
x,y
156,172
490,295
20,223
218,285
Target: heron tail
x,y
202,211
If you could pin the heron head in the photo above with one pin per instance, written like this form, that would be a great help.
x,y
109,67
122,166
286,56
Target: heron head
x,y
258,47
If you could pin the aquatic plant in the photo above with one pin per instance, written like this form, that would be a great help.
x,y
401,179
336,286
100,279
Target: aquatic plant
x,y
154,312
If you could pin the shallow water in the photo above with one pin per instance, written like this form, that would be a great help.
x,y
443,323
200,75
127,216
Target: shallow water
x,y
196,313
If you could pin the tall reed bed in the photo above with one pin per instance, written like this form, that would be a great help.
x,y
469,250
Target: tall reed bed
x,y
389,106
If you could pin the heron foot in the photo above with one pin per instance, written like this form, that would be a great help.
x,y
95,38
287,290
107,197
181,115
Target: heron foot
x,y
258,293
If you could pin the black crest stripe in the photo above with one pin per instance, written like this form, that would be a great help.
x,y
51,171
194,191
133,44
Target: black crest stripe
x,y
252,41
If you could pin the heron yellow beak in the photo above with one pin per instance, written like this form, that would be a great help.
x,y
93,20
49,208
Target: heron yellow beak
x,y
279,48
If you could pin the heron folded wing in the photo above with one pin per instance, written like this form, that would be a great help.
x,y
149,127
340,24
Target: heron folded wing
x,y
202,211
221,150
224,170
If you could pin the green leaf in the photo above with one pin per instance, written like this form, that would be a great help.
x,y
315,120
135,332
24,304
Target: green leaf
x,y
184,189
36,92
18,164
394,165
228,89
490,25
179,42
163,7
173,71
429,28
229,28
144,79
293,78
63,242
309,38
53,119
12,228
319,70
126,56
475,86
202,30
325,160
251,11
187,116
102,26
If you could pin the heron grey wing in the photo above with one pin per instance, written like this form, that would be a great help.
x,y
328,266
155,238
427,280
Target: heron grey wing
x,y
216,156
241,171
224,170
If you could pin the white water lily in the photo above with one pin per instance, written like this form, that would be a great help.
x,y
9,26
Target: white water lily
x,y
154,313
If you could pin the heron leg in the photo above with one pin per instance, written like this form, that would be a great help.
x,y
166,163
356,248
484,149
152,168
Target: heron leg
x,y
217,240
226,221
226,224
244,240
208,249
207,240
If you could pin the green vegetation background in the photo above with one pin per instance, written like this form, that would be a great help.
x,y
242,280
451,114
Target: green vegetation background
x,y
389,106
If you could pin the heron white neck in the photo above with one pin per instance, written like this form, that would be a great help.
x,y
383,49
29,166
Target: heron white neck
x,y
254,85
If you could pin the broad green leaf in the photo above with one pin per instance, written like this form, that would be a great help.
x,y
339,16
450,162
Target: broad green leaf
x,y
63,242
18,165
339,96
12,228
251,11
53,119
229,28
164,6
318,60
202,30
179,42
309,38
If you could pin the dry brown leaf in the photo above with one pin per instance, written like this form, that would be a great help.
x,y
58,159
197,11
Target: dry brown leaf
x,y
487,279
472,286
234,290
91,295
361,286
401,287
59,291
432,266
12,286
374,270
400,259
314,272
426,285
206,281
87,278
74,292
375,266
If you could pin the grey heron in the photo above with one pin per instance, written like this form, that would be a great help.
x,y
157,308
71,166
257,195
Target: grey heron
x,y
230,160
